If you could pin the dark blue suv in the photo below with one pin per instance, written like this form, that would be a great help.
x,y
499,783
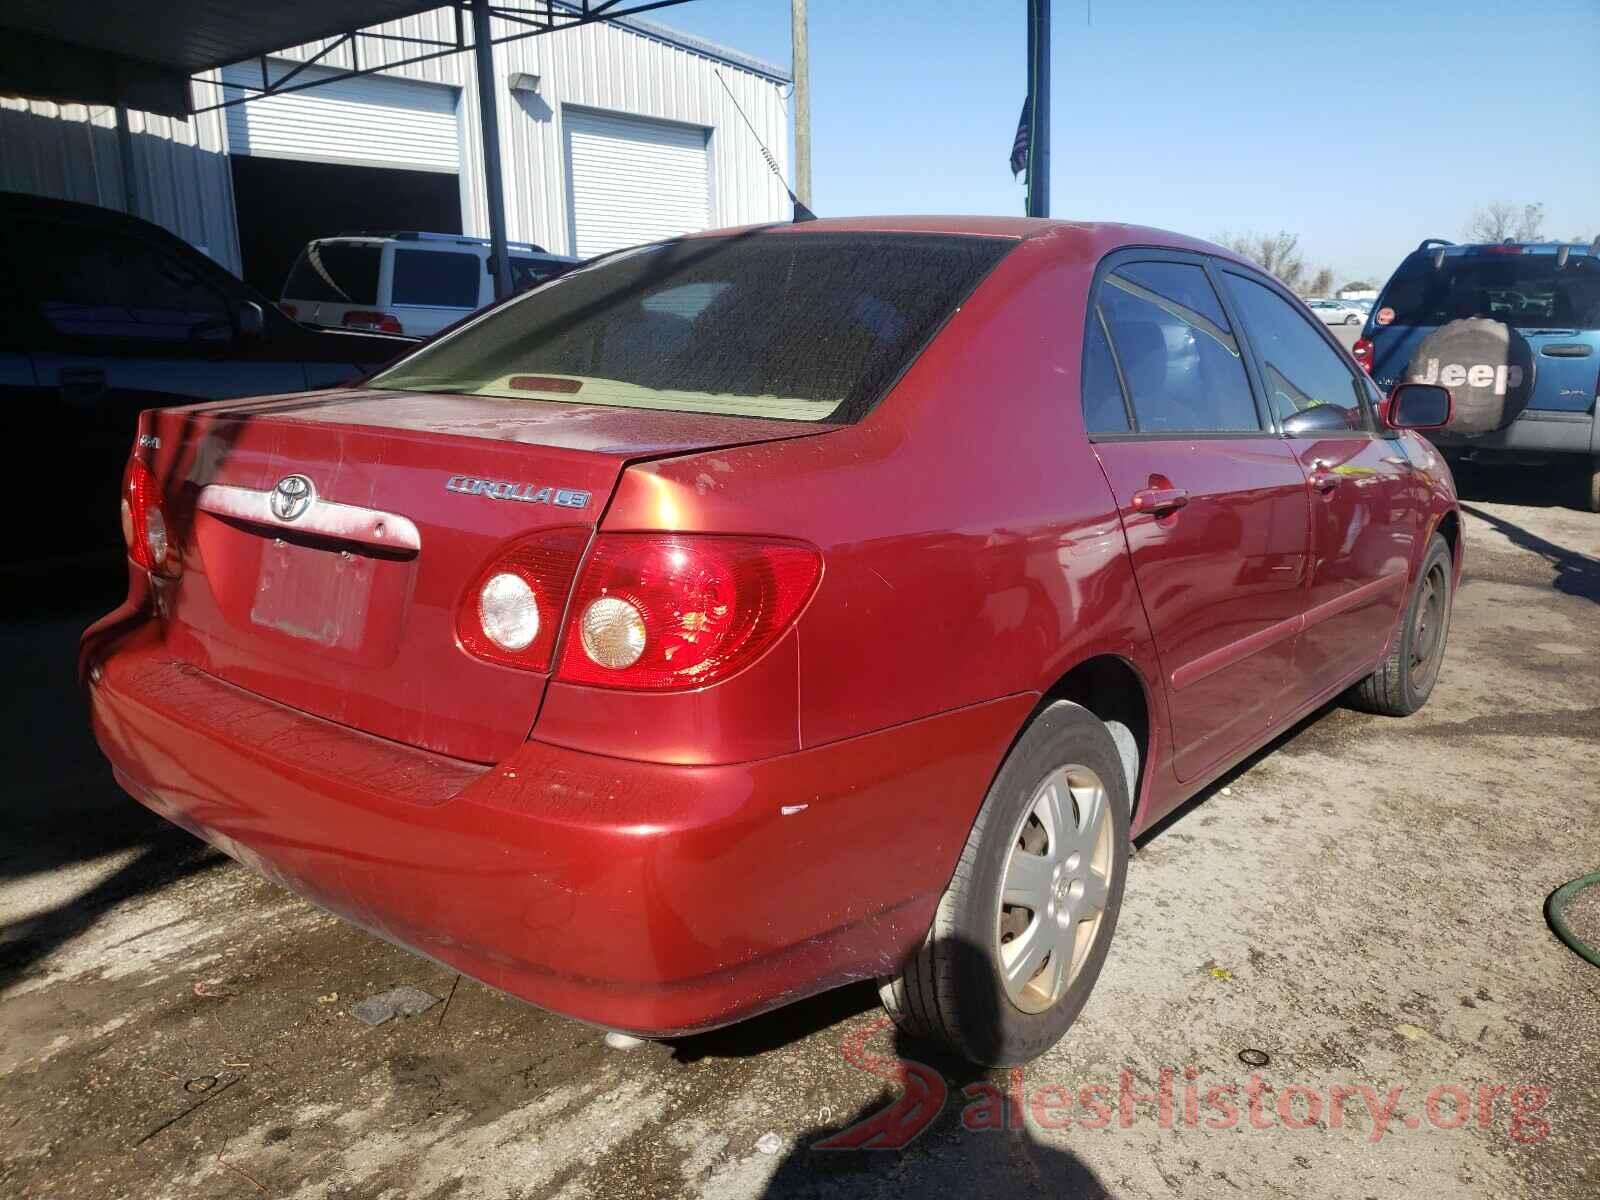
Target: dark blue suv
x,y
1513,330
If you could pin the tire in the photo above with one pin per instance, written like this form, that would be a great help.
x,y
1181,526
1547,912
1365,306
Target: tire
x,y
952,991
1590,496
1402,684
1352,319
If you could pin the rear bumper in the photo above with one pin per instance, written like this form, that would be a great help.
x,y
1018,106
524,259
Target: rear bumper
x,y
649,897
1538,435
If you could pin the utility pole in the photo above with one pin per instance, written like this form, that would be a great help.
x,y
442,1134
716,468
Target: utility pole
x,y
1039,125
802,101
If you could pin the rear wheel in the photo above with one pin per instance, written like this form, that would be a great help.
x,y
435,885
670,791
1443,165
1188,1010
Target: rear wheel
x,y
1402,684
1352,319
1022,930
1591,492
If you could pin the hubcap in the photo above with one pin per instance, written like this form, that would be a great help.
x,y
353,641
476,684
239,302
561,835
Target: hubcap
x,y
1427,635
1053,895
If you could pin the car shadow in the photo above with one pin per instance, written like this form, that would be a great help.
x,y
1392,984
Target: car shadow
x,y
938,1126
781,1027
61,807
1545,487
1577,574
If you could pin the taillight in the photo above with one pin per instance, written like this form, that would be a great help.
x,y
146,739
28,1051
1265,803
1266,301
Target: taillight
x,y
292,311
359,318
512,611
664,611
1363,353
144,521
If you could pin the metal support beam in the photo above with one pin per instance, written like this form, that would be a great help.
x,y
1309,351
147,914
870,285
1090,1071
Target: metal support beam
x,y
494,183
130,177
801,40
1039,90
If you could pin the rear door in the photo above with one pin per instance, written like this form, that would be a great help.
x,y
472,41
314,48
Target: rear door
x,y
1213,502
1365,495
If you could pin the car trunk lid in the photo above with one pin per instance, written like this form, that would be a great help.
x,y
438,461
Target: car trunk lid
x,y
351,615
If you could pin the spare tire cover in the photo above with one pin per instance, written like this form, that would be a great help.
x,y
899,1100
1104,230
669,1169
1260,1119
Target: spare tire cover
x,y
1488,367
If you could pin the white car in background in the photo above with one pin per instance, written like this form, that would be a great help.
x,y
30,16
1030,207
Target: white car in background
x,y
1337,312
410,283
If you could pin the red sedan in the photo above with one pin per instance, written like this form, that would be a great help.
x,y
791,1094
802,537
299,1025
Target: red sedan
x,y
747,614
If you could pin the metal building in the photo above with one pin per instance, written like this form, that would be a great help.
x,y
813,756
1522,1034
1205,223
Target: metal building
x,y
611,134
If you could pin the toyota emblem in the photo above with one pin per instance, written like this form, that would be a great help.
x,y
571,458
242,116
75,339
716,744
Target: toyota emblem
x,y
291,497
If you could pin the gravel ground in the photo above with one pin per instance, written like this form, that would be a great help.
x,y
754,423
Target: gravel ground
x,y
1583,916
1361,904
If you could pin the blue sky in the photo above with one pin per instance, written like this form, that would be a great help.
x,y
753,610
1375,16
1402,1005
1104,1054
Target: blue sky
x,y
1362,126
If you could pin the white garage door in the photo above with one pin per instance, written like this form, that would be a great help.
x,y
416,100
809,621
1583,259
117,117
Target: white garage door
x,y
373,121
634,180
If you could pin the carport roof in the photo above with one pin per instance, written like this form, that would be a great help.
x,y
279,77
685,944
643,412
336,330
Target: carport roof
x,y
142,52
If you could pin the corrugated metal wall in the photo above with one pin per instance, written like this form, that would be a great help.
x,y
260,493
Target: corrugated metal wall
x,y
600,66
69,151
185,183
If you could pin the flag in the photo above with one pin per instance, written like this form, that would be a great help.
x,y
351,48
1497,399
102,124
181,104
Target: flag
x,y
1019,147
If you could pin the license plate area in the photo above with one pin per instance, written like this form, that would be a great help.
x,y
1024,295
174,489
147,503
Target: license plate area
x,y
314,593
338,600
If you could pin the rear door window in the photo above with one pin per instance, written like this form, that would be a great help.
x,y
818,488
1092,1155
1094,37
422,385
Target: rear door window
x,y
336,272
1177,355
1302,372
1105,408
99,283
436,279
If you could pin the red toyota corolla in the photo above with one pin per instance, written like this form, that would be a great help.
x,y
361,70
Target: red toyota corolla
x,y
747,614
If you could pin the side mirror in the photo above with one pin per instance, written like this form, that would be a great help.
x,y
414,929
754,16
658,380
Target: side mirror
x,y
250,322
1419,406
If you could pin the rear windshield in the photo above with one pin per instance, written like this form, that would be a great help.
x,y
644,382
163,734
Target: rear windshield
x,y
803,327
1525,290
340,272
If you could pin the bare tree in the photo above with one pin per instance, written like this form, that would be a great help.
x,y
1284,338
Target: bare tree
x,y
1499,220
1279,253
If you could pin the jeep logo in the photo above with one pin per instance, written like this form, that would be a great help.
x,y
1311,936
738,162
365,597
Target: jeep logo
x,y
1479,375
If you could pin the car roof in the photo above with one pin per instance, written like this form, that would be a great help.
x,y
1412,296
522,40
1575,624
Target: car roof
x,y
26,204
15,205
1086,241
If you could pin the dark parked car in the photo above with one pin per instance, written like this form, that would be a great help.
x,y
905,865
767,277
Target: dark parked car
x,y
103,315
736,617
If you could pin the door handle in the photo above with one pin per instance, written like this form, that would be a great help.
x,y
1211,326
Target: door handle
x,y
1323,479
1159,500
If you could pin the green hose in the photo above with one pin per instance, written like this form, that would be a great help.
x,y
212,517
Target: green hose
x,y
1555,910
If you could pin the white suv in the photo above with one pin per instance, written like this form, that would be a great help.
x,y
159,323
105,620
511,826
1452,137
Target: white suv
x,y
410,283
